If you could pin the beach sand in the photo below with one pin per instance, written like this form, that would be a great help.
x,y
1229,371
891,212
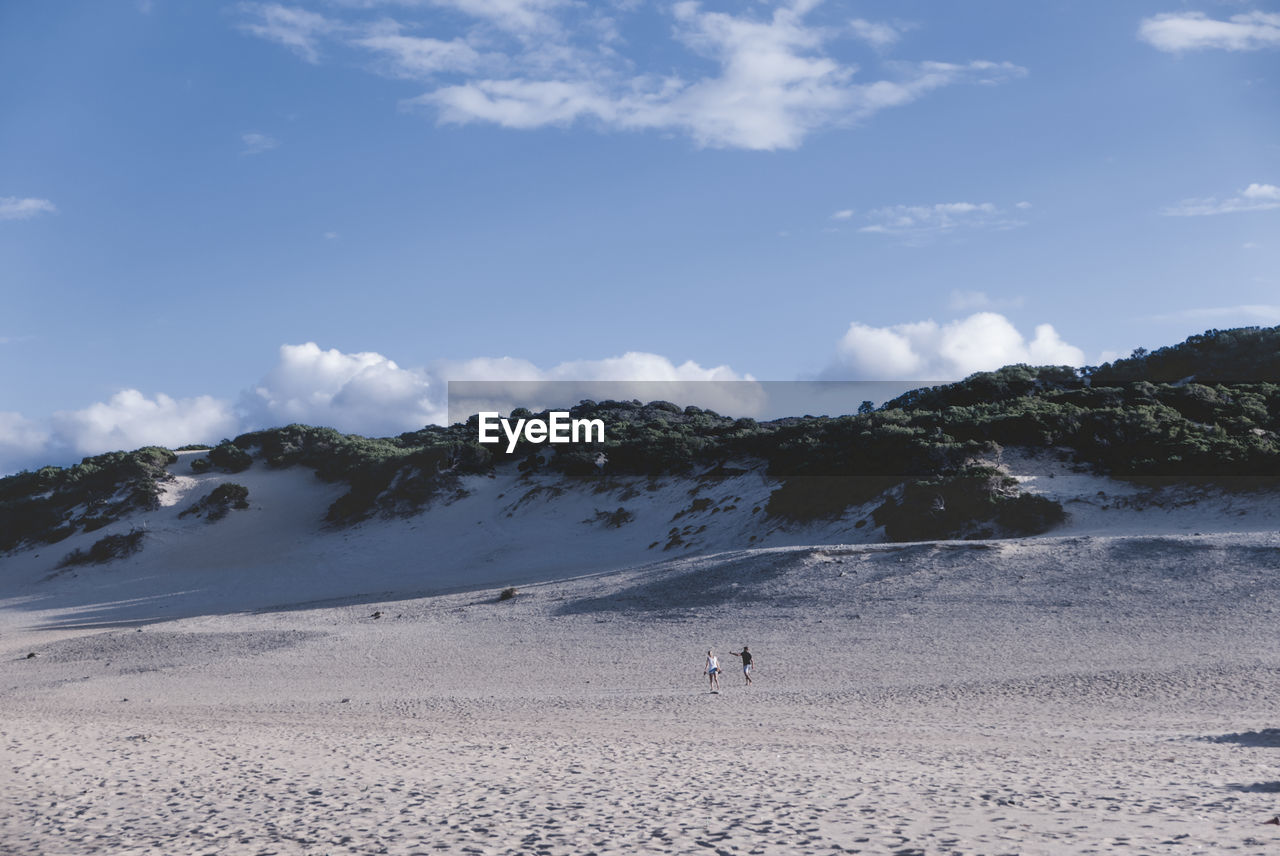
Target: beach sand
x,y
1078,694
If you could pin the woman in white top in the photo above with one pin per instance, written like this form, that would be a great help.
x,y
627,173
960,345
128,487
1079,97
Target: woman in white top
x,y
713,672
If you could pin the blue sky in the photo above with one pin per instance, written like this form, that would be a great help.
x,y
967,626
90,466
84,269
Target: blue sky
x,y
222,216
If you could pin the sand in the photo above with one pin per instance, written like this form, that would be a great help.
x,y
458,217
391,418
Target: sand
x,y
1073,694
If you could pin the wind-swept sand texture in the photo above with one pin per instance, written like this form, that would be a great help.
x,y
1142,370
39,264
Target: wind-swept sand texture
x,y
1080,694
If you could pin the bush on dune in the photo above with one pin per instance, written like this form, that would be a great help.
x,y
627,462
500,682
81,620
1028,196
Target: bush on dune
x,y
218,502
974,502
105,549
53,502
229,457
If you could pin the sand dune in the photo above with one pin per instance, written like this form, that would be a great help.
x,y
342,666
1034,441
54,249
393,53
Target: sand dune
x,y
1065,695
1096,691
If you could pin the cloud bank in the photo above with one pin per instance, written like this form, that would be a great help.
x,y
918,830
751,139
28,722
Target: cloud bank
x,y
360,393
255,144
763,78
130,419
920,223
929,351
367,393
1175,32
14,208
1255,197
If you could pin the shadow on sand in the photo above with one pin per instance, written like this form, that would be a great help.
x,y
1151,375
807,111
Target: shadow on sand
x,y
1256,788
1269,737
79,612
704,586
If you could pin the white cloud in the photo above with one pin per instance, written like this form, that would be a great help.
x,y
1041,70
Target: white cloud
x,y
21,442
15,208
367,393
1186,31
919,223
129,419
843,214
362,393
1255,197
928,351
776,85
417,56
766,97
506,383
522,104
639,366
1262,193
526,64
297,29
876,34
255,143
633,366
524,16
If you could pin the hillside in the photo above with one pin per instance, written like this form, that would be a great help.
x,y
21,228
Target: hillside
x,y
1020,451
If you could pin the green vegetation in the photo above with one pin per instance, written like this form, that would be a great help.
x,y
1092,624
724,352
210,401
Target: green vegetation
x,y
51,503
229,457
105,549
215,505
974,502
398,475
612,519
1242,355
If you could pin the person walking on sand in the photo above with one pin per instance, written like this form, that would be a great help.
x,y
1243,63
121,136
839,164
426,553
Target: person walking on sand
x,y
713,671
745,656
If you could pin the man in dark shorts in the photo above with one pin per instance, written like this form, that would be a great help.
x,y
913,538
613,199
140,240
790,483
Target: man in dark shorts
x,y
745,656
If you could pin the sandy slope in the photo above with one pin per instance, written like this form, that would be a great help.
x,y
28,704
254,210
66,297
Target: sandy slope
x,y
504,529
1088,692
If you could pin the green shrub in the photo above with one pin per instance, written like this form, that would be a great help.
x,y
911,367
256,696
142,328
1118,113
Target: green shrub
x,y
975,502
38,507
1029,514
613,519
219,501
807,498
229,457
106,549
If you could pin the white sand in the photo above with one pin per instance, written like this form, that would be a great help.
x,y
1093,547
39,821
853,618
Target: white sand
x,y
1114,688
